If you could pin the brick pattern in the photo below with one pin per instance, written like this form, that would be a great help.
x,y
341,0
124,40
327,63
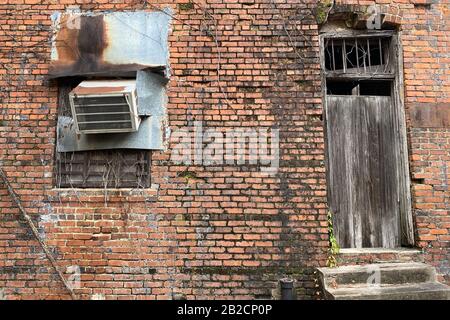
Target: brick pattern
x,y
430,190
217,231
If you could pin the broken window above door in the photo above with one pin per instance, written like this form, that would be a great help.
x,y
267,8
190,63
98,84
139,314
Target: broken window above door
x,y
358,56
357,63
359,88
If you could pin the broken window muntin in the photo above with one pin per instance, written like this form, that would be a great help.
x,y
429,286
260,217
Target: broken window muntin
x,y
359,55
108,44
358,63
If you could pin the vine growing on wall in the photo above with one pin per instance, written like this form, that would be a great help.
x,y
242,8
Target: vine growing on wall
x,y
37,51
323,9
334,246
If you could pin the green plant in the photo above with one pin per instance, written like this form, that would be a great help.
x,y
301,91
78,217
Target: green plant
x,y
189,176
322,10
186,6
334,246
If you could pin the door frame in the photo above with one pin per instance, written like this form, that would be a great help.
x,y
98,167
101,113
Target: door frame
x,y
406,217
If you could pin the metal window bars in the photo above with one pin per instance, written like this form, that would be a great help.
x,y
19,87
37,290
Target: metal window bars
x,y
365,56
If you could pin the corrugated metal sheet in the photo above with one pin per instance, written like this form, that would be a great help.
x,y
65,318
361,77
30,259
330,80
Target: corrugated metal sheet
x,y
108,43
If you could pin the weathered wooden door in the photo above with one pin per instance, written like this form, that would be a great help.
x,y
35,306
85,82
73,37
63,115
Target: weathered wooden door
x,y
367,161
367,193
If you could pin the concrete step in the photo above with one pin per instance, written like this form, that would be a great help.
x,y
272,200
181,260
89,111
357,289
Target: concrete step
x,y
418,291
386,281
384,273
360,256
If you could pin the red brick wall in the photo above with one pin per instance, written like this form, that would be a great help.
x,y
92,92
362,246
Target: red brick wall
x,y
431,160
427,86
231,232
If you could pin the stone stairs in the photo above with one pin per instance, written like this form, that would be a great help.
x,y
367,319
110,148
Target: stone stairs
x,y
383,281
363,256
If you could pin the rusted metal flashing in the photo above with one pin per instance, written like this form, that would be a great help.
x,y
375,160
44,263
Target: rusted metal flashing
x,y
115,45
103,87
425,115
109,43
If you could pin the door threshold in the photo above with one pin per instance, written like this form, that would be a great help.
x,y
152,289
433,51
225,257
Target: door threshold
x,y
379,250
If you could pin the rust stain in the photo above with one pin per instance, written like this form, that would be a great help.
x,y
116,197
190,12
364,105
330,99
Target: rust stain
x,y
80,51
66,42
91,43
98,90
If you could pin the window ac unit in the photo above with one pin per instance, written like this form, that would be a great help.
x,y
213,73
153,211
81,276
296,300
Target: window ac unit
x,y
105,106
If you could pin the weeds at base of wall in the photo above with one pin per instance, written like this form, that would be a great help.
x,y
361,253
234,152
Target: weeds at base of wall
x,y
334,246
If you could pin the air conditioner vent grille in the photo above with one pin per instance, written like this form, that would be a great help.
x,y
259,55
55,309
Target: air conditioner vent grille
x,y
105,126
102,113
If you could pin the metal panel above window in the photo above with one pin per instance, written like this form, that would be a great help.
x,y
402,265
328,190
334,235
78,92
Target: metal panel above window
x,y
109,43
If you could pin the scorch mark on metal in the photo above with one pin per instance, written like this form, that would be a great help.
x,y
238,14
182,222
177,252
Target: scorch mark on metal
x,y
108,43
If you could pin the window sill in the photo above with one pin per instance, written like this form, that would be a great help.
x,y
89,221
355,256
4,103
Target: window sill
x,y
102,195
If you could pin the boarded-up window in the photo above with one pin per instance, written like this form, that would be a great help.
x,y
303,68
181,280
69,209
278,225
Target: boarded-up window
x,y
103,169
